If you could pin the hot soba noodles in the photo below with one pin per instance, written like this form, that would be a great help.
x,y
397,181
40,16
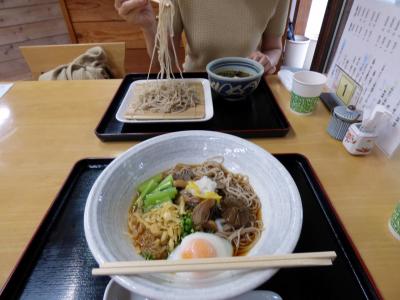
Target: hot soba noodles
x,y
189,201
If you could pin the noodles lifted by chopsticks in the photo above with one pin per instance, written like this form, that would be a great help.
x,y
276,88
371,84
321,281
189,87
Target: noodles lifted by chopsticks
x,y
165,37
166,96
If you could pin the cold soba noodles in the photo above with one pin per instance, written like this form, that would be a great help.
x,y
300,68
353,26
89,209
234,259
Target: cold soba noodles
x,y
168,96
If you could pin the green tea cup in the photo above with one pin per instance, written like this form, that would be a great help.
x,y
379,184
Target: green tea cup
x,y
306,88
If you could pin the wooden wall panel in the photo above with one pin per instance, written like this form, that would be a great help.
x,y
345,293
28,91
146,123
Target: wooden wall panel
x,y
90,32
90,11
97,21
19,3
303,8
20,33
11,51
29,14
94,10
27,22
137,60
16,69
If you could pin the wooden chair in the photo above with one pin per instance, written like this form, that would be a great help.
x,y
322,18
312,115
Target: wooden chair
x,y
41,59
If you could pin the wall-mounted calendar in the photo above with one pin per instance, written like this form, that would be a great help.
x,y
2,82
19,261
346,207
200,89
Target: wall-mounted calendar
x,y
366,68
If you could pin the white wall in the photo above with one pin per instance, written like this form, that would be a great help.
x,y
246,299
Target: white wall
x,y
315,18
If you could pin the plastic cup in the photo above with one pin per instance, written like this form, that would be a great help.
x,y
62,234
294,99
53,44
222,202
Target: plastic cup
x,y
296,52
306,88
394,222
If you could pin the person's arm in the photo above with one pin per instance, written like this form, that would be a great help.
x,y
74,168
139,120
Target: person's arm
x,y
271,43
269,54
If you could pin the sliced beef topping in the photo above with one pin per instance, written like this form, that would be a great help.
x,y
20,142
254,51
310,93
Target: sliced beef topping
x,y
234,212
201,214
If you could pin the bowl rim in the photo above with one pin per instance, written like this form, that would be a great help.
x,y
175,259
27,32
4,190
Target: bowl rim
x,y
235,59
138,284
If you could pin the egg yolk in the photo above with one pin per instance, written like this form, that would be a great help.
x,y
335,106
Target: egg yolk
x,y
199,249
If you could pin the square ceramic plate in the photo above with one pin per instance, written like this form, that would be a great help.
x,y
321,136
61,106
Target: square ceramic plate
x,y
209,110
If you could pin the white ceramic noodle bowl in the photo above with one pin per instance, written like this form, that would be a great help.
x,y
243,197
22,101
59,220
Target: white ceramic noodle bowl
x,y
106,210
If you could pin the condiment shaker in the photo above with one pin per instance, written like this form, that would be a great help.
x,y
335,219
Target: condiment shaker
x,y
342,118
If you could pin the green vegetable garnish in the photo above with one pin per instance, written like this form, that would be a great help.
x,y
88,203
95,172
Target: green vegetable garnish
x,y
167,182
186,224
155,203
155,191
156,198
150,186
156,178
147,256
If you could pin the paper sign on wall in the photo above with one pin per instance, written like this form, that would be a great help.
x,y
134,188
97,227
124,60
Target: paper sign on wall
x,y
366,68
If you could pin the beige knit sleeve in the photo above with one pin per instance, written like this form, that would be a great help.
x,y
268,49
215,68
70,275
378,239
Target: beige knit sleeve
x,y
277,24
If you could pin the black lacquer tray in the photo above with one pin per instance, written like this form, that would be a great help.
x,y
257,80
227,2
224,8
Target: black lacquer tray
x,y
257,116
57,263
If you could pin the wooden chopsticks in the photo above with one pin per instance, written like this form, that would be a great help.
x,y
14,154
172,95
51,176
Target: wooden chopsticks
x,y
217,264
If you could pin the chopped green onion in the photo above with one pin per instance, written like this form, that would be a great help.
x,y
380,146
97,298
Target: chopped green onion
x,y
186,225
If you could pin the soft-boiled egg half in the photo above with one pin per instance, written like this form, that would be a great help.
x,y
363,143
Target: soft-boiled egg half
x,y
200,245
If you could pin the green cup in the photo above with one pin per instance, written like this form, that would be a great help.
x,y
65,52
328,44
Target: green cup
x,y
394,222
306,88
303,105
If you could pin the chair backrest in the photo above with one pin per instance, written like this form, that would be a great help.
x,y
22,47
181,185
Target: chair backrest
x,y
41,59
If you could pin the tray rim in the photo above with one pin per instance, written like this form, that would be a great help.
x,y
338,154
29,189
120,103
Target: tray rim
x,y
63,190
251,133
78,165
340,222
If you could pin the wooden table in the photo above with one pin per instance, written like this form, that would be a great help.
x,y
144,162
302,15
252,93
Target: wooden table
x,y
45,127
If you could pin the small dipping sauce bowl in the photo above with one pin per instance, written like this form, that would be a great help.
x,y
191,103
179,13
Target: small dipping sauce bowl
x,y
246,75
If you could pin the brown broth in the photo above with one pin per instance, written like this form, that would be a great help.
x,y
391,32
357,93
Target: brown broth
x,y
233,73
243,252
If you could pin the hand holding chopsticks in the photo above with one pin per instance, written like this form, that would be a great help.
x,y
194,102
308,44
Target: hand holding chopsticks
x,y
217,264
